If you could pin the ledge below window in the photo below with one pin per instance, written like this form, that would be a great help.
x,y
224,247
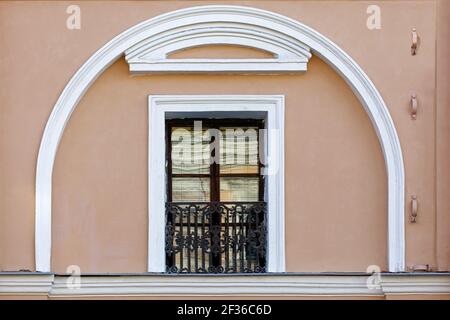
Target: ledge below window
x,y
285,285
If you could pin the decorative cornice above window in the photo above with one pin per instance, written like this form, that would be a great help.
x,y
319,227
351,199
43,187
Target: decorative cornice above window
x,y
152,54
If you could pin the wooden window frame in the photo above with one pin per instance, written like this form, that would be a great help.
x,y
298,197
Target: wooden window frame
x,y
214,174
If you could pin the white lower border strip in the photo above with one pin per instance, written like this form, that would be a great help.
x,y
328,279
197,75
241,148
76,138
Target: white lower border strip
x,y
223,285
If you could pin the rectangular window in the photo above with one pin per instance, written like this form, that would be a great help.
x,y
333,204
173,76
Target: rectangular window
x,y
215,210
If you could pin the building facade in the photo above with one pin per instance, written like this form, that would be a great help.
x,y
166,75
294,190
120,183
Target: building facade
x,y
258,149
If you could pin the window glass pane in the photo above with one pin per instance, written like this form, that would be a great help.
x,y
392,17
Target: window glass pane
x,y
190,189
190,152
239,189
239,150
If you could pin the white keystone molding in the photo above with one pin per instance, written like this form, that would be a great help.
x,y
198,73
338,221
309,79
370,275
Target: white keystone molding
x,y
245,18
268,107
151,54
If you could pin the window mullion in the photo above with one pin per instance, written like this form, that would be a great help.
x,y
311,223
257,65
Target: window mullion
x,y
215,194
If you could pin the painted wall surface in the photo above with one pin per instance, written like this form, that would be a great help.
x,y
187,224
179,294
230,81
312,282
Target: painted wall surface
x,y
335,184
100,205
443,137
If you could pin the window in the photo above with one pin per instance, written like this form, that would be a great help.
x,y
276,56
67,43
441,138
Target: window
x,y
215,210
269,111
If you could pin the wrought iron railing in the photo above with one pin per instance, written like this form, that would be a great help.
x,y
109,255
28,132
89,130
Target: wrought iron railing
x,y
216,237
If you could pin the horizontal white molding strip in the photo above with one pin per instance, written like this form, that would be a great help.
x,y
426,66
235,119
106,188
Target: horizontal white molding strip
x,y
224,285
22,283
412,284
219,66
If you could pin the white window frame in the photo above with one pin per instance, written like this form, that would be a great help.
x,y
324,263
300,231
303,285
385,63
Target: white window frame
x,y
268,107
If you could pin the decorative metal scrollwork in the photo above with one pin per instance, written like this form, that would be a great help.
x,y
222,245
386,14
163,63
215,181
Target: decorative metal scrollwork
x,y
216,237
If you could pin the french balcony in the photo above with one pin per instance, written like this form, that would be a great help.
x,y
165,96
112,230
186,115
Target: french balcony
x,y
216,237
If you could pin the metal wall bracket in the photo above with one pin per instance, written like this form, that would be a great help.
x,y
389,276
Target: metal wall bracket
x,y
414,209
420,268
415,42
414,106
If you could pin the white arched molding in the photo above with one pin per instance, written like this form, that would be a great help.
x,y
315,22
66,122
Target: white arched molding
x,y
242,18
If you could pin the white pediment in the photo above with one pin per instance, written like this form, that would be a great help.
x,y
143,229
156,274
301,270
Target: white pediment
x,y
152,54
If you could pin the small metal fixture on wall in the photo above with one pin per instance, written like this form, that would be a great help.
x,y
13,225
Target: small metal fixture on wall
x,y
415,42
420,268
414,209
414,106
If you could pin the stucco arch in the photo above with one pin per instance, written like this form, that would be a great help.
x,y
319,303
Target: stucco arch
x,y
245,18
